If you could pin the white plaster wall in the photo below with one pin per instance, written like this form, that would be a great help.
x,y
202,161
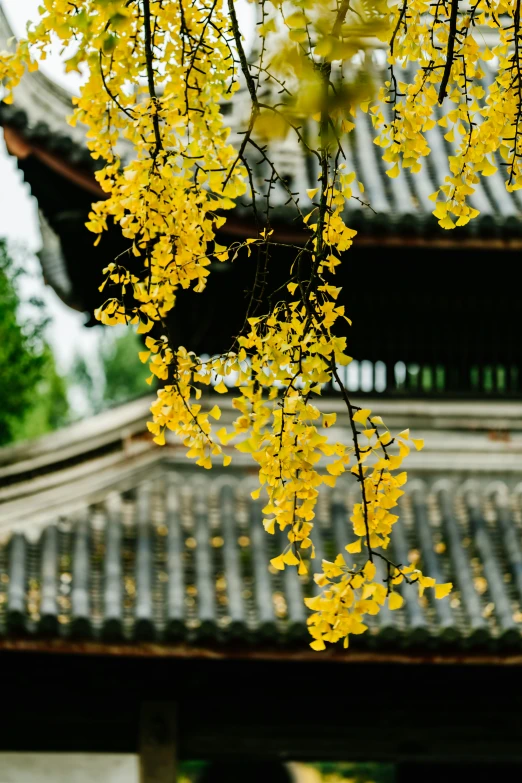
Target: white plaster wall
x,y
68,768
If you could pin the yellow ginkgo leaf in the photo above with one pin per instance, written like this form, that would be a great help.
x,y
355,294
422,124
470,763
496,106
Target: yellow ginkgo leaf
x,y
488,169
395,600
394,171
269,525
447,223
441,591
297,19
224,436
290,559
329,419
328,480
335,468
361,415
324,47
278,562
145,326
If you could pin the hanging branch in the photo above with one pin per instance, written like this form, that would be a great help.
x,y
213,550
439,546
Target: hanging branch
x,y
450,52
288,347
149,61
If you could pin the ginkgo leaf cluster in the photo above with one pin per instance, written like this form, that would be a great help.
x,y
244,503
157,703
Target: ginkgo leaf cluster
x,y
158,76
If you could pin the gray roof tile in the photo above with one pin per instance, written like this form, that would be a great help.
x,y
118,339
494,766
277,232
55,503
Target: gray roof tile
x,y
398,206
185,559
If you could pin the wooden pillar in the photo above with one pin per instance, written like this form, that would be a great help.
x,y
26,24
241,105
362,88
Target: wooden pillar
x,y
158,742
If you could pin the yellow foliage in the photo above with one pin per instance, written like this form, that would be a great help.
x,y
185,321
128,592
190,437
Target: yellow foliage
x,y
158,76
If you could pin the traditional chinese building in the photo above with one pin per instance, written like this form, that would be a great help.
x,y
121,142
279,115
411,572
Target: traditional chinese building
x,y
138,613
133,589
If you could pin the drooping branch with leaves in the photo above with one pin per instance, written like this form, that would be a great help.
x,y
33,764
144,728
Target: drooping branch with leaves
x,y
158,75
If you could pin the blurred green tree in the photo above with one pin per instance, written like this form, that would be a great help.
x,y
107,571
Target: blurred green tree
x,y
33,397
50,408
124,373
121,376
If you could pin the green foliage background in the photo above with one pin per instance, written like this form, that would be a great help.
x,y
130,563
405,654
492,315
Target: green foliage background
x,y
122,375
33,398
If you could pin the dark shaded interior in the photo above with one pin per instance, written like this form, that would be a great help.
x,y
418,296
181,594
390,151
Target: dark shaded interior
x,y
452,314
407,714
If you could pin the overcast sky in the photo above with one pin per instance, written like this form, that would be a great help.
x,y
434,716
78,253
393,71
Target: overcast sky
x,y
19,221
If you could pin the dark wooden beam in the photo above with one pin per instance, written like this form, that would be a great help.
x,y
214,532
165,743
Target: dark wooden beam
x,y
229,710
434,772
18,146
300,652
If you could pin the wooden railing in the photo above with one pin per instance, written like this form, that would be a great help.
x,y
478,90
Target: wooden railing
x,y
432,380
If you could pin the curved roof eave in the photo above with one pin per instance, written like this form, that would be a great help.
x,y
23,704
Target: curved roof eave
x,y
86,461
42,99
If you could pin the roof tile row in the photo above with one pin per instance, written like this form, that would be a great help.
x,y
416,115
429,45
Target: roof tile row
x,y
185,559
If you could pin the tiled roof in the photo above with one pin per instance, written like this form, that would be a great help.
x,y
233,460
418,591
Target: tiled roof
x,y
184,558
54,140
79,465
399,207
